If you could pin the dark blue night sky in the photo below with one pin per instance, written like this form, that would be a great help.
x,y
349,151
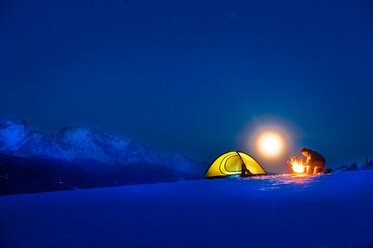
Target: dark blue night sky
x,y
190,76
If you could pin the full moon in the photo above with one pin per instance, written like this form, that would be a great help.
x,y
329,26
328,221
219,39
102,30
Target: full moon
x,y
270,144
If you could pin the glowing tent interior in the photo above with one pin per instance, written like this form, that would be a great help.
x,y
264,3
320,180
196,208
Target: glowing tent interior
x,y
231,163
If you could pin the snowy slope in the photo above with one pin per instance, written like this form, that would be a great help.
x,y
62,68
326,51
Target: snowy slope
x,y
333,210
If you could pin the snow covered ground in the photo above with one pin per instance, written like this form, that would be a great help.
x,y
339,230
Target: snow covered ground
x,y
333,210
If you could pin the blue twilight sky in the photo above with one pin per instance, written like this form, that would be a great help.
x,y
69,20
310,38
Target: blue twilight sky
x,y
191,76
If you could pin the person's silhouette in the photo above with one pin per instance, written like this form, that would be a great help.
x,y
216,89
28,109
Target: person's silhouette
x,y
315,161
244,171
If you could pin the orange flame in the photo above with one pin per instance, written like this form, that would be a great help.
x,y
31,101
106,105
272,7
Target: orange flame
x,y
297,165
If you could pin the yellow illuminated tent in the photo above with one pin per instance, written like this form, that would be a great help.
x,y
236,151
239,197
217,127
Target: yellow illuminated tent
x,y
230,163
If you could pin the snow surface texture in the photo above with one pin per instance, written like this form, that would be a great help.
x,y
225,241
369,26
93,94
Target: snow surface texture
x,y
334,210
84,143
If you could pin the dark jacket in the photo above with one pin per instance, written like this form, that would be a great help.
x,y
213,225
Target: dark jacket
x,y
315,157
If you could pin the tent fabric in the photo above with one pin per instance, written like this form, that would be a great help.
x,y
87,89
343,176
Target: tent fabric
x,y
230,163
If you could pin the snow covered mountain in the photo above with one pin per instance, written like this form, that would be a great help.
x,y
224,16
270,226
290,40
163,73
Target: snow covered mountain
x,y
96,152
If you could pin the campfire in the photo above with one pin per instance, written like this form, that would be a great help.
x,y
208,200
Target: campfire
x,y
297,165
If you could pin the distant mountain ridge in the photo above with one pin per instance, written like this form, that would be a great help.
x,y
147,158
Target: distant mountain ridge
x,y
114,160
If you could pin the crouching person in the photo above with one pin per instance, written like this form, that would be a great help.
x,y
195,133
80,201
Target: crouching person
x,y
244,171
315,161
